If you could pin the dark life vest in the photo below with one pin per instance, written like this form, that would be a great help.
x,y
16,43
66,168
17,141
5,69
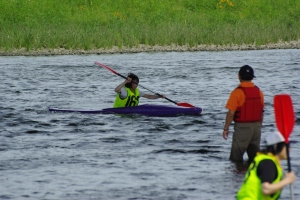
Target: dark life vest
x,y
252,109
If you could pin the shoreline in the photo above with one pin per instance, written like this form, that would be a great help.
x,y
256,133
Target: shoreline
x,y
148,48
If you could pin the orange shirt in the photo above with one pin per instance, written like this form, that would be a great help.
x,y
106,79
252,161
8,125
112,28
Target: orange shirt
x,y
237,97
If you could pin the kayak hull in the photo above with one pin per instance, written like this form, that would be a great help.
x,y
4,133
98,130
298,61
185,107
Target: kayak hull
x,y
146,109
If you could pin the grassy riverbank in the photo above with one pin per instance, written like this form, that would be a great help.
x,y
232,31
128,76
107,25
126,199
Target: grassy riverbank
x,y
85,25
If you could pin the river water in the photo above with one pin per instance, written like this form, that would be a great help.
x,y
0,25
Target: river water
x,y
46,155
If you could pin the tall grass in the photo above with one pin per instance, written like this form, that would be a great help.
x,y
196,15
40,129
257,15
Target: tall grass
x,y
86,24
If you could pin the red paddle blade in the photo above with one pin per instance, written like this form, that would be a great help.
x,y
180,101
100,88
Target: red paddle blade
x,y
106,67
185,105
284,115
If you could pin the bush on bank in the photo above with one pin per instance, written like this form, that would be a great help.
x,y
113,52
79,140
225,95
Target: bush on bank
x,y
87,24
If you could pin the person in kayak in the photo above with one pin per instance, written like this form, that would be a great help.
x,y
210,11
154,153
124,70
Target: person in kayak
x,y
245,107
128,93
264,178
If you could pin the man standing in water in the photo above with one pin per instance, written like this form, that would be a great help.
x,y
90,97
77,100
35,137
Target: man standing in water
x,y
245,107
128,93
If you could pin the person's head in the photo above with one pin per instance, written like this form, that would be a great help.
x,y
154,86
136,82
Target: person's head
x,y
246,73
134,80
276,145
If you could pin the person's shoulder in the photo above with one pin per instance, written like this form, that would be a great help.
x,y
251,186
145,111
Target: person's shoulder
x,y
257,86
238,90
266,164
124,89
123,93
142,94
267,170
260,91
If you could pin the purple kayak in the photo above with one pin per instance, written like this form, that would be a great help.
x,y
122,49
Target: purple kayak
x,y
146,109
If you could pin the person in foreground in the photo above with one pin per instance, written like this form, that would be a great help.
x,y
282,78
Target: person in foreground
x,y
245,107
128,93
264,178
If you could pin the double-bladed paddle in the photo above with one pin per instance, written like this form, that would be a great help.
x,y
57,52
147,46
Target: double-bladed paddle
x,y
285,120
183,104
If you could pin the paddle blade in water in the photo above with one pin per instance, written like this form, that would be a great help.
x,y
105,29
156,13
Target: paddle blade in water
x,y
185,105
284,115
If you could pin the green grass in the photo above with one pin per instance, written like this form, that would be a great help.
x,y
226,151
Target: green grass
x,y
86,24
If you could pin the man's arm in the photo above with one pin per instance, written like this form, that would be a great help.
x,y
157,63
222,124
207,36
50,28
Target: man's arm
x,y
271,188
228,120
263,103
119,87
267,173
153,96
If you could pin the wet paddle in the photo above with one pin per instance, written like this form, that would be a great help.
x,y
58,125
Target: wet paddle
x,y
183,104
285,120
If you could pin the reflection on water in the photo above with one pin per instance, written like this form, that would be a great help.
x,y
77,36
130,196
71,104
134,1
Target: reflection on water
x,y
48,155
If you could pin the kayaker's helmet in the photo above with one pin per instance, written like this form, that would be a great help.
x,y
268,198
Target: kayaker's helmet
x,y
134,78
275,142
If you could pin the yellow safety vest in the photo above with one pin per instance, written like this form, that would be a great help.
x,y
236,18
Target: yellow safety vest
x,y
251,188
132,99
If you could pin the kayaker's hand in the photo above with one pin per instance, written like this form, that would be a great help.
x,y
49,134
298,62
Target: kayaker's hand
x,y
119,87
290,177
163,96
225,134
128,80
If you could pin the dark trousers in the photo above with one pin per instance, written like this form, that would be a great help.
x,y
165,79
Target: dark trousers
x,y
246,138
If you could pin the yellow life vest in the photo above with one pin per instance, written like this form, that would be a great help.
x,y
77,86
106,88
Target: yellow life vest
x,y
132,99
251,188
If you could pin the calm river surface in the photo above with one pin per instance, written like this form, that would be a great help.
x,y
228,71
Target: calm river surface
x,y
46,155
